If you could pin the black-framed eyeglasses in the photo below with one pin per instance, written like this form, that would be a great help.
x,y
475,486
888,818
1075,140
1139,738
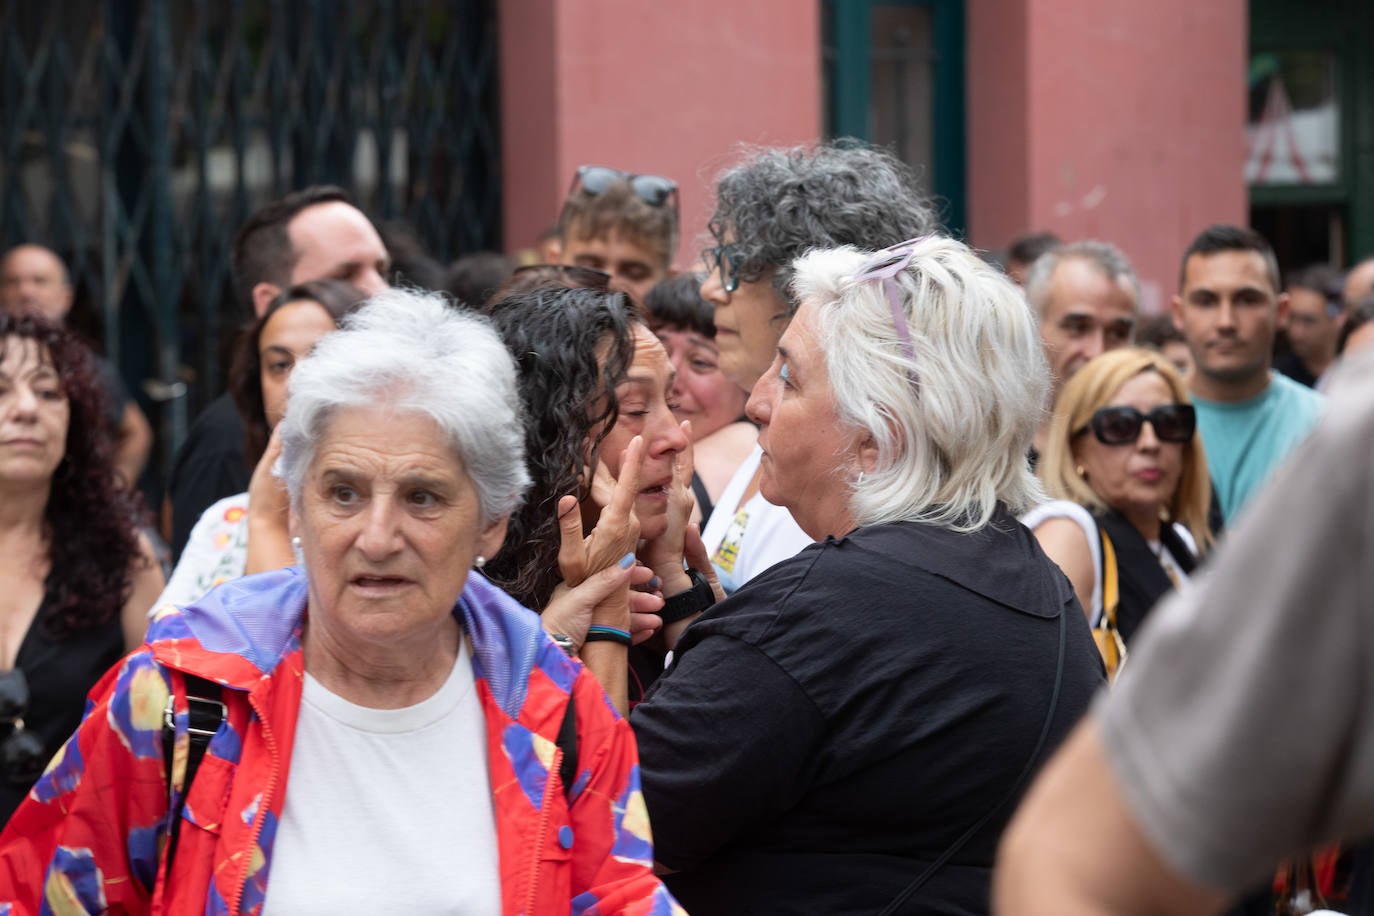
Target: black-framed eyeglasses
x,y
1122,425
654,190
22,754
725,259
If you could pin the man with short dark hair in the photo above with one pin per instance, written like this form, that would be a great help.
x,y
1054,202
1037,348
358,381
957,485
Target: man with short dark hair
x,y
1313,324
34,280
312,234
1229,307
622,223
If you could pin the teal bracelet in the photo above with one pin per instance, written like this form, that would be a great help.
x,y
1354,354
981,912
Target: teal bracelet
x,y
596,633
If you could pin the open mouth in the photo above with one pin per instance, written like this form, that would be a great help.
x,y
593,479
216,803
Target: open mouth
x,y
378,583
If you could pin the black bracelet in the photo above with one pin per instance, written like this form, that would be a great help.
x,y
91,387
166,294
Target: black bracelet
x,y
693,601
597,633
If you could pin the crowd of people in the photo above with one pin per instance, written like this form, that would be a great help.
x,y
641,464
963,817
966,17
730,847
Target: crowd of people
x,y
770,585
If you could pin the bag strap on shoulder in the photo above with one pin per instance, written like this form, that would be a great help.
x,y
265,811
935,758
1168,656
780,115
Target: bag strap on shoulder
x,y
205,714
567,743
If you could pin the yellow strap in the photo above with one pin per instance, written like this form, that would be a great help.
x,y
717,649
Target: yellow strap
x,y
1109,592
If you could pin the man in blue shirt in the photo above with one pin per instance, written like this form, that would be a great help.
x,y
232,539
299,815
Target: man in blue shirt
x,y
1228,307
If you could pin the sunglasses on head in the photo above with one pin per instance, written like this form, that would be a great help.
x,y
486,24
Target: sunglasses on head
x,y
654,190
1122,425
22,755
883,267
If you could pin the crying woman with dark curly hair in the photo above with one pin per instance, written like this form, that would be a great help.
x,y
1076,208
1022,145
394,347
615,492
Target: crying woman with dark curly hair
x,y
76,578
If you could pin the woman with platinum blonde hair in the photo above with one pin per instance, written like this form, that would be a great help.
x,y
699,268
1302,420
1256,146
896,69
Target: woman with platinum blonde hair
x,y
849,731
387,730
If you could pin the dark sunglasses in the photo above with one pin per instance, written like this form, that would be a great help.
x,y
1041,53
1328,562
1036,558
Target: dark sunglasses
x,y
724,259
22,755
571,274
1122,425
654,190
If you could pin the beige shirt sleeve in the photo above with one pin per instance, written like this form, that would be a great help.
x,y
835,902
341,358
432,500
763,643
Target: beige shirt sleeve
x,y
1242,727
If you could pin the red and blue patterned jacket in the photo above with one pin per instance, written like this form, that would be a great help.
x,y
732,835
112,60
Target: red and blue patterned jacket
x,y
89,836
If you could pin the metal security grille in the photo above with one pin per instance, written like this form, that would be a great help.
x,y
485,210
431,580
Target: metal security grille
x,y
135,137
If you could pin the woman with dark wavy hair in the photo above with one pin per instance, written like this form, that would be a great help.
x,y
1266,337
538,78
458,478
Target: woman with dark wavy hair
x,y
77,577
597,391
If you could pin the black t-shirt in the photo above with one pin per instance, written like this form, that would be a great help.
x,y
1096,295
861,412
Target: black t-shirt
x,y
831,728
60,674
1293,367
209,467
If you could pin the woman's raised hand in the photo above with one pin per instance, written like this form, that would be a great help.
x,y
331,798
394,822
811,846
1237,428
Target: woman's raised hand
x,y
269,540
617,529
664,553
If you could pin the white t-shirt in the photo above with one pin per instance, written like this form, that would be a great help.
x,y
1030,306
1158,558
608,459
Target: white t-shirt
x,y
743,543
388,810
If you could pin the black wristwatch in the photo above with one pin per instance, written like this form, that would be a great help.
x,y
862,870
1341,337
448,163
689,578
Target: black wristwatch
x,y
693,601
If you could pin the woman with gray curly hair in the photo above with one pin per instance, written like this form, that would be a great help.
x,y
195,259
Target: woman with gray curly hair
x,y
847,733
375,714
772,208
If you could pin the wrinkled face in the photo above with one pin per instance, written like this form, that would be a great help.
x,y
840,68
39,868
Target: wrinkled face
x,y
34,282
809,457
1086,313
646,410
335,241
1135,479
1228,311
749,323
34,413
287,337
634,268
702,394
1311,329
390,524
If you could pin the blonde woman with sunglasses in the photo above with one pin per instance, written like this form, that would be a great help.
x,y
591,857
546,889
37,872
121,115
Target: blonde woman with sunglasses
x,y
1125,466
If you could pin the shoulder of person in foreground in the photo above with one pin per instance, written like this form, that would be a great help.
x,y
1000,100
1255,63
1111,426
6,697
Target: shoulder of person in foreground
x,y
90,832
531,681
1204,766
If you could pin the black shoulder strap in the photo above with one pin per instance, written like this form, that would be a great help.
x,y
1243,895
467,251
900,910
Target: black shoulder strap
x,y
703,498
205,714
567,743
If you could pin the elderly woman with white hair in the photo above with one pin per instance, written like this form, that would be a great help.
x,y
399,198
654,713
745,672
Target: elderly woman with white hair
x,y
387,731
849,732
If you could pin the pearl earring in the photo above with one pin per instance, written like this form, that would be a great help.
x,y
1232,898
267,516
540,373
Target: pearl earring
x,y
296,542
1078,469
479,561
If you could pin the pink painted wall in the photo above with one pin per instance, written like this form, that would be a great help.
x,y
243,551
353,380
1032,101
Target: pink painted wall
x,y
661,88
1134,124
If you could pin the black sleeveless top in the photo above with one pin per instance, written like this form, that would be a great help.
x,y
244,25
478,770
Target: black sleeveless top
x,y
60,674
1141,580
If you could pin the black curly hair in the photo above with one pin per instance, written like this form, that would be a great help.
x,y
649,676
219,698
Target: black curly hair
x,y
558,336
91,518
781,203
245,373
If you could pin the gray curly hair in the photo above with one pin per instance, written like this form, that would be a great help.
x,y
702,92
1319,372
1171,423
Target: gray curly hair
x,y
779,204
